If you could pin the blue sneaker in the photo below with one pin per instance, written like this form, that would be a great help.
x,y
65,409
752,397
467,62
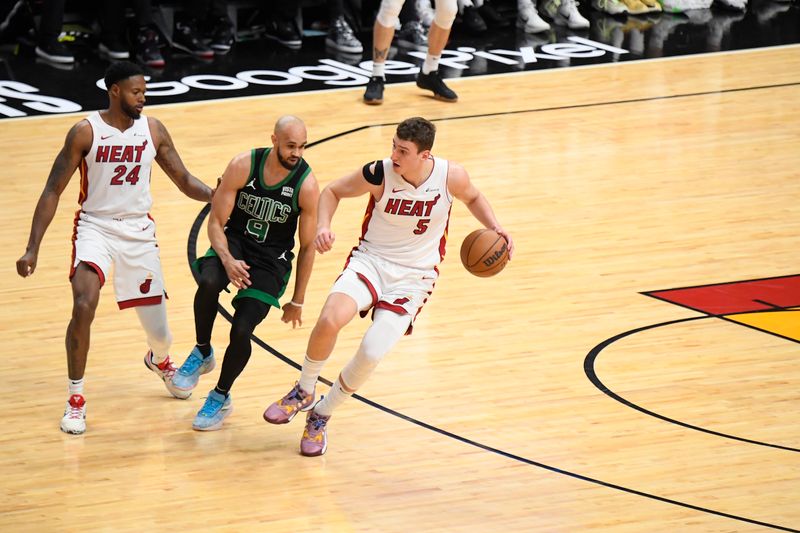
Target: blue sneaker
x,y
214,411
187,376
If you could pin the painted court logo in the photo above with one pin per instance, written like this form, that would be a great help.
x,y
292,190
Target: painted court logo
x,y
769,305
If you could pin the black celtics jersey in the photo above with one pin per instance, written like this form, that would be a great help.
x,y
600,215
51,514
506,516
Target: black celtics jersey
x,y
267,215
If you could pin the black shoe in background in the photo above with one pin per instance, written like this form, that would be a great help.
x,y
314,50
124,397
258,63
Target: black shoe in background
x,y
147,48
55,51
472,21
186,38
433,82
491,17
284,32
221,33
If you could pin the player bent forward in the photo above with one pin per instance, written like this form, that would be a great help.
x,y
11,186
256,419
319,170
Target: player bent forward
x,y
392,270
254,216
115,149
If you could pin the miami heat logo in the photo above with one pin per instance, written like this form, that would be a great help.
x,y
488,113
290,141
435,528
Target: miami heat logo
x,y
144,288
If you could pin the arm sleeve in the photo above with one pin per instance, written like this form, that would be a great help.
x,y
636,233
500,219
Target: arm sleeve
x,y
375,178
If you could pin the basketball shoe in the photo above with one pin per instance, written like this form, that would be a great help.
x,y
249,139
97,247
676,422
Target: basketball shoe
x,y
166,371
187,376
528,18
216,409
566,12
74,420
282,411
374,93
433,81
315,436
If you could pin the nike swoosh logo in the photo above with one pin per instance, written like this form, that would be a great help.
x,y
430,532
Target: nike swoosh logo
x,y
104,137
397,190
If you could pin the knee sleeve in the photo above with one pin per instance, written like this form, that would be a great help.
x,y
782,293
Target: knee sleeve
x,y
445,13
382,335
389,12
154,321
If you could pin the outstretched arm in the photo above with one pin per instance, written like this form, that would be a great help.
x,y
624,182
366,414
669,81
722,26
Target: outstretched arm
x,y
233,179
76,145
308,200
460,186
348,186
168,159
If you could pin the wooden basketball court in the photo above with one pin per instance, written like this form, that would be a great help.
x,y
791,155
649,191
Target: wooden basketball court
x,y
555,396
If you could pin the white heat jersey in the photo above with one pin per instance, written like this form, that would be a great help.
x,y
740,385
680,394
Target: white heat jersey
x,y
115,174
408,226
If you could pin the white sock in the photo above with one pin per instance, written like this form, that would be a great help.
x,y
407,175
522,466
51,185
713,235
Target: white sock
x,y
334,399
75,386
431,64
379,70
310,373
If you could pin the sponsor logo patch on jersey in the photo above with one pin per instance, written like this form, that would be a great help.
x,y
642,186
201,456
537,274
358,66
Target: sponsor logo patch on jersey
x,y
287,191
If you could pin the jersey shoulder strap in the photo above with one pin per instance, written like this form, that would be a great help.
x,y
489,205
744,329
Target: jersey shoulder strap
x,y
258,157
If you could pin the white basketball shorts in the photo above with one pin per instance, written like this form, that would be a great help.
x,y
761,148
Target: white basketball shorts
x,y
389,286
129,245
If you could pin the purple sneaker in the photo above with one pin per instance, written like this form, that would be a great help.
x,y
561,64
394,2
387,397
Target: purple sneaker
x,y
315,436
282,411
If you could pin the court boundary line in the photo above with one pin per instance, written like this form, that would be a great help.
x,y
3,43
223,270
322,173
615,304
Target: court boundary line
x,y
591,374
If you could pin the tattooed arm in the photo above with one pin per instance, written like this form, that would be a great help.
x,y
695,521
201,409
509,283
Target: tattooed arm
x,y
168,159
76,146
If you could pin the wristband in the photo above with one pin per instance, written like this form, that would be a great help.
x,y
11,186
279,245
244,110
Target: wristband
x,y
296,304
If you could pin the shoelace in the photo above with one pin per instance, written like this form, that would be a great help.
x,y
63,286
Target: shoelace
x,y
190,366
74,413
295,394
167,370
211,406
344,28
317,423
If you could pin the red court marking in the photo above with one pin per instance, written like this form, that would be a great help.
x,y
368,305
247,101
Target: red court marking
x,y
736,297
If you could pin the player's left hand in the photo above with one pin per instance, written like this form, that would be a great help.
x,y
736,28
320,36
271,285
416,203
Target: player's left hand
x,y
292,313
507,237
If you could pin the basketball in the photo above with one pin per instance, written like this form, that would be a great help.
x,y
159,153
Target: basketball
x,y
484,253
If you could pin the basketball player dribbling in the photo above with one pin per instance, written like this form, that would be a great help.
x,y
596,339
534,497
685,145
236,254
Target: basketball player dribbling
x,y
392,271
114,150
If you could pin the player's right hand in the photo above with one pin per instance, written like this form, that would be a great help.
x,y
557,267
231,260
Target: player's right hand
x,y
323,242
237,273
26,264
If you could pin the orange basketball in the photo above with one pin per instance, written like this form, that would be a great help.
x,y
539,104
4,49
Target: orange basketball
x,y
484,253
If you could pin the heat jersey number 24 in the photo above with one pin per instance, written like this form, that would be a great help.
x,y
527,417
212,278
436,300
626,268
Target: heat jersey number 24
x,y
131,177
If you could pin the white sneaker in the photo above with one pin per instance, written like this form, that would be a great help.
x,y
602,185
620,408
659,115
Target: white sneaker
x,y
529,20
166,371
568,11
681,6
739,5
74,420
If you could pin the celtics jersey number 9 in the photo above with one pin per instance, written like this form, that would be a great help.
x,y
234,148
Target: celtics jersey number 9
x,y
268,214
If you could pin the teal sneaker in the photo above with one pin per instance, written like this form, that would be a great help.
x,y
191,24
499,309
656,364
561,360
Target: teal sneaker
x,y
187,376
214,411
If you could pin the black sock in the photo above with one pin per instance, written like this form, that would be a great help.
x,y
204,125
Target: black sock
x,y
222,392
204,349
